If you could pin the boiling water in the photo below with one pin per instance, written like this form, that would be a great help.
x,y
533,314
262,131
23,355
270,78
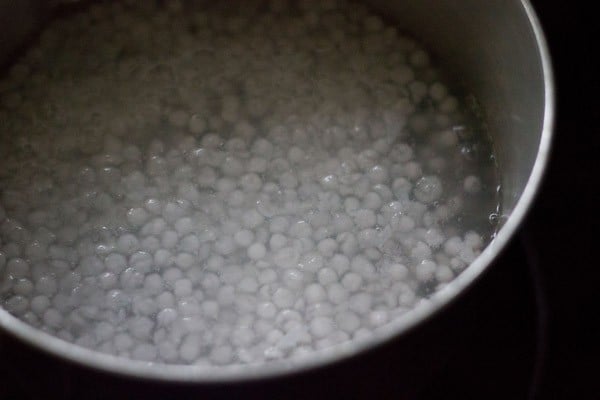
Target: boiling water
x,y
202,186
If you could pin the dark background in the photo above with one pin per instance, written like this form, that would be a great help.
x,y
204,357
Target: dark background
x,y
565,217
525,331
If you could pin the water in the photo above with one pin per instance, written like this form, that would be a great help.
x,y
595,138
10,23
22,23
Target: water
x,y
200,187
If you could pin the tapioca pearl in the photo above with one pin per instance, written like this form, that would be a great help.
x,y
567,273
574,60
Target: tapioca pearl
x,y
52,318
69,281
210,309
196,124
188,307
348,243
252,219
293,278
446,139
115,263
473,240
449,105
182,288
372,201
141,261
444,274
340,263
137,216
262,147
225,246
377,318
22,287
267,276
351,204
232,167
64,303
231,274
17,268
327,276
412,170
283,297
396,271
131,279
457,264
433,237
221,355
360,303
35,251
236,198
266,310
329,182
425,270
300,229
314,293
296,154
211,141
229,227
247,284
364,218
257,165
226,295
348,321
437,91
321,326
91,266
215,262
453,246
165,300
342,222
406,295
472,184
428,189
225,187
420,251
403,74
311,262
402,223
46,285
143,305
104,331
327,247
39,304
418,122
352,281
128,244
288,180
242,336
277,241
257,251
368,238
155,227
153,284
263,326
206,176
468,255
402,187
378,174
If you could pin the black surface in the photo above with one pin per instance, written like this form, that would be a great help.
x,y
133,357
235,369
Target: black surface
x,y
565,218
523,332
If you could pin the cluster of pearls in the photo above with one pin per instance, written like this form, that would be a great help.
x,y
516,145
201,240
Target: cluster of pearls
x,y
197,187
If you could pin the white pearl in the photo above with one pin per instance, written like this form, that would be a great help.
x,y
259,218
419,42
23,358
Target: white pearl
x,y
257,251
314,293
321,326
